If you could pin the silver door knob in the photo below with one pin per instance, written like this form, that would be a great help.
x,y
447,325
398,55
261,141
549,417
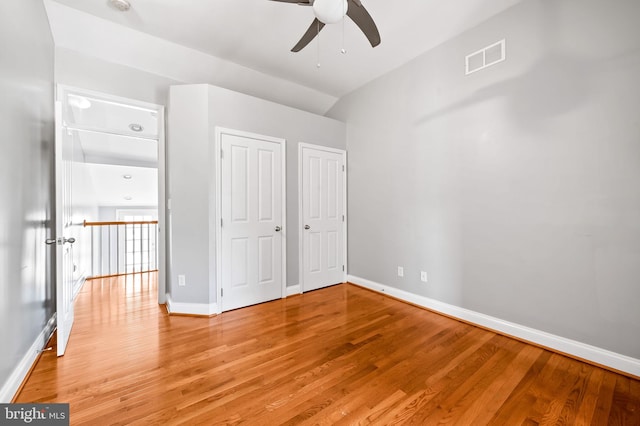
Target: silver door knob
x,y
70,240
278,229
307,227
50,241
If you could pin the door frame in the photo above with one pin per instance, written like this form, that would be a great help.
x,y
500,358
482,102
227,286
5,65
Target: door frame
x,y
62,90
216,286
343,153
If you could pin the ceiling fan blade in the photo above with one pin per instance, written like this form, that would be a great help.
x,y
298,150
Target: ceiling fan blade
x,y
364,21
312,31
300,2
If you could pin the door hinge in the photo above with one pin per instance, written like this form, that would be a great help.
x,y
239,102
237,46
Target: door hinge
x,y
342,268
343,167
221,154
220,222
222,292
343,218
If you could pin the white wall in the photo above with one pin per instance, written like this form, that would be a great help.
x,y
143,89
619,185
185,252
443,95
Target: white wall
x,y
194,112
109,213
515,188
27,299
86,72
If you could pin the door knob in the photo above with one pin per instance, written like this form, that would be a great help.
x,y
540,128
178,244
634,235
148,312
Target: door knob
x,y
50,241
307,227
69,240
278,229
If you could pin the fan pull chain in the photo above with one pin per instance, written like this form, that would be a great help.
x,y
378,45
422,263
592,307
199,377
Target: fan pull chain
x,y
343,50
318,44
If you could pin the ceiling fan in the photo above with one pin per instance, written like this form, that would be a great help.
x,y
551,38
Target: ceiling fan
x,y
332,11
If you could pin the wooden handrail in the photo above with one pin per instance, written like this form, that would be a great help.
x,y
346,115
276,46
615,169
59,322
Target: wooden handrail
x,y
152,222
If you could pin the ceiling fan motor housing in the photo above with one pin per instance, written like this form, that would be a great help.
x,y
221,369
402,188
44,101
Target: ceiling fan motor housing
x,y
330,11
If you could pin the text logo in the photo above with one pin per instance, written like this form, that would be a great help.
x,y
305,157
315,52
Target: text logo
x,y
34,414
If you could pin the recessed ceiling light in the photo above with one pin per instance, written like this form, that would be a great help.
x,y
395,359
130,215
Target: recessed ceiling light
x,y
136,127
128,198
122,5
127,177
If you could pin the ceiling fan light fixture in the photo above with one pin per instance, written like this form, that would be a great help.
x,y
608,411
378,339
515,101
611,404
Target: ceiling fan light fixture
x,y
330,11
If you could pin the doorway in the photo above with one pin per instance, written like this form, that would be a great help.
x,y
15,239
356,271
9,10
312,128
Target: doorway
x,y
251,213
116,162
322,217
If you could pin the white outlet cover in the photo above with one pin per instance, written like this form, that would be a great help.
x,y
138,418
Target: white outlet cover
x,y
423,276
400,271
181,280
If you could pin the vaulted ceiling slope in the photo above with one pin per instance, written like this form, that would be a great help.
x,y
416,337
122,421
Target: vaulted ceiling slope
x,y
245,45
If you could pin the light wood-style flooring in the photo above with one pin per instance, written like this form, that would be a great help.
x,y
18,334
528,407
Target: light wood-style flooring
x,y
340,355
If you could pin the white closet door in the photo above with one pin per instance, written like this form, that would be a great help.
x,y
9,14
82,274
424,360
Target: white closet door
x,y
323,218
251,232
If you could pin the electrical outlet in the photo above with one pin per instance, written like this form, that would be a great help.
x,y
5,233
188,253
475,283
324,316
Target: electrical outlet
x,y
181,281
423,276
400,271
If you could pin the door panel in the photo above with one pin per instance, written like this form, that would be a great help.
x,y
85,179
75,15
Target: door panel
x,y
332,250
332,192
314,187
64,241
265,185
252,218
322,214
239,183
239,261
315,251
265,259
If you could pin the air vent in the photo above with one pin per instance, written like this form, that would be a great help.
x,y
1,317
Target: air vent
x,y
485,57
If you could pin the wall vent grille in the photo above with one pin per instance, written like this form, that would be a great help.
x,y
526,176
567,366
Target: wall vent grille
x,y
485,57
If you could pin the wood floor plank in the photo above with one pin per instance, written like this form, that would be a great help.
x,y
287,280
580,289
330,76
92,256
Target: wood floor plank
x,y
337,356
625,409
481,408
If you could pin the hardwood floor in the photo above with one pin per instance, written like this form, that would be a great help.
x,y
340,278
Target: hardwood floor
x,y
341,355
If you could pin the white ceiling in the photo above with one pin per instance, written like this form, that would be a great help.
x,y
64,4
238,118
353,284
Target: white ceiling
x,y
111,150
111,189
94,113
103,148
253,39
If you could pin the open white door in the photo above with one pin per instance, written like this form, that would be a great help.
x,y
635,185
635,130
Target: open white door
x,y
252,261
63,241
322,192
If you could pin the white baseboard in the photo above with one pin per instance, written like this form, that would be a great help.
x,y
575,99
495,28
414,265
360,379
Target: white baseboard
x,y
11,386
557,343
179,308
293,290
